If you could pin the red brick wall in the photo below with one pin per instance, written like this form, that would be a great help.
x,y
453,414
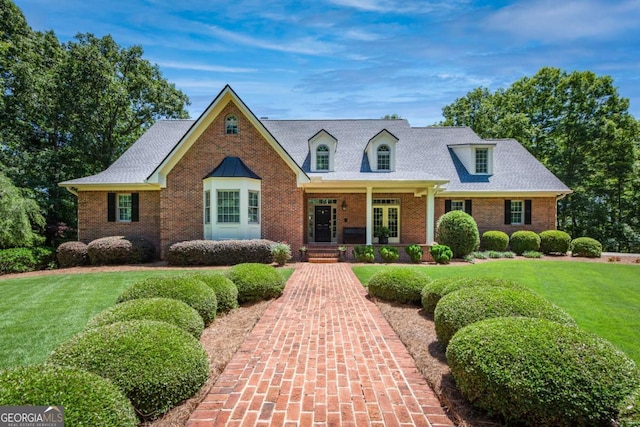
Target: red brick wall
x,y
489,214
181,201
93,224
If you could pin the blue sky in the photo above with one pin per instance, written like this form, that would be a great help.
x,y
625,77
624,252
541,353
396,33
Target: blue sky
x,y
359,58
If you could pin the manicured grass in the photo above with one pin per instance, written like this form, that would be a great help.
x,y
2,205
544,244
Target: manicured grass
x,y
38,313
602,298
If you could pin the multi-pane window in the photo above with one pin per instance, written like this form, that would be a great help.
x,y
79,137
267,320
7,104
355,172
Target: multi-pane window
x,y
384,158
231,125
124,207
517,212
254,207
482,160
228,206
322,158
207,207
457,205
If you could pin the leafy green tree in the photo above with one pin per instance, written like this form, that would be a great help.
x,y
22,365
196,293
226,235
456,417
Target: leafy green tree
x,y
579,127
19,215
394,116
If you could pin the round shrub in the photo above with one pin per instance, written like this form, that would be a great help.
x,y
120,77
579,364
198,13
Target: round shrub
x,y
398,284
256,282
183,288
524,241
494,241
72,254
220,252
155,364
167,310
586,247
389,254
226,291
459,231
472,282
432,292
441,254
88,399
120,250
554,242
537,372
469,305
415,253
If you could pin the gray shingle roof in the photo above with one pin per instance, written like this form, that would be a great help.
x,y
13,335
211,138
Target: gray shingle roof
x,y
422,154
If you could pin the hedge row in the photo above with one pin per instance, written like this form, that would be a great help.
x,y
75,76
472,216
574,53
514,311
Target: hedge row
x,y
225,252
21,260
110,250
549,242
398,284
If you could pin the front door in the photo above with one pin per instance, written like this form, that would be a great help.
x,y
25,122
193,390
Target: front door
x,y
323,223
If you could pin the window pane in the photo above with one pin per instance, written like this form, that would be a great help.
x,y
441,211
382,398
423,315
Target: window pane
x,y
377,219
457,205
124,207
228,206
232,125
254,207
322,158
384,158
517,212
207,207
482,160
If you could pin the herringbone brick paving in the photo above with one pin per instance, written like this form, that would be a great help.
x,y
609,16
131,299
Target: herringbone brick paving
x,y
322,354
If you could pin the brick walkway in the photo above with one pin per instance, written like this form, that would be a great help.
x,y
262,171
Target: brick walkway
x,y
322,354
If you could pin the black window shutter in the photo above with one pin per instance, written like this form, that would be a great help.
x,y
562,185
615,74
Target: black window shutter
x,y
135,207
111,207
507,211
527,211
447,205
467,207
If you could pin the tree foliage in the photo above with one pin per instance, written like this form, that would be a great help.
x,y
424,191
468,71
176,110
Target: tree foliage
x,y
580,128
19,216
71,109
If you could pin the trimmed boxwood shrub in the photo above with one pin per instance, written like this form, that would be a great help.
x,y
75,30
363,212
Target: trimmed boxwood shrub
x,y
554,242
183,288
88,399
167,310
256,282
537,372
17,260
364,253
441,254
494,241
224,252
459,231
472,282
415,253
120,250
432,292
155,364
389,254
586,247
524,241
402,285
469,305
226,291
72,254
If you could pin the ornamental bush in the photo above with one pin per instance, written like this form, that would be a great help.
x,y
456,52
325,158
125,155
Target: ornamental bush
x,y
523,241
459,231
183,288
469,305
120,250
415,253
17,260
155,364
364,253
494,241
402,285
168,310
72,254
554,242
389,254
88,399
226,291
281,253
441,254
586,247
535,372
256,282
432,292
224,252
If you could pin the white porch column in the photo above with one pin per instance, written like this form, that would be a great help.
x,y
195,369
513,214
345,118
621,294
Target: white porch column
x,y
369,216
431,221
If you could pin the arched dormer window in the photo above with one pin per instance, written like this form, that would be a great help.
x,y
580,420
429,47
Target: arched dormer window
x,y
322,158
231,125
384,158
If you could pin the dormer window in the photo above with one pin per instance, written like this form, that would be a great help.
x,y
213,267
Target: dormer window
x,y
231,125
482,160
322,158
384,158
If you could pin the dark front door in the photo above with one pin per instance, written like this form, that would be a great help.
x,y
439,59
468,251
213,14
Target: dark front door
x,y
323,223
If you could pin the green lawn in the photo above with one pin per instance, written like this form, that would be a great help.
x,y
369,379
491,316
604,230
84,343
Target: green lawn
x,y
37,313
602,298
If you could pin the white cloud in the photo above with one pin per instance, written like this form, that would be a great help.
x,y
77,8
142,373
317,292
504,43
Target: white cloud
x,y
203,67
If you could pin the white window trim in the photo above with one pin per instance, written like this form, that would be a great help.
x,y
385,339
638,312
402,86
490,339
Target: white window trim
x,y
249,207
324,153
233,230
322,138
513,203
487,151
462,205
384,138
226,125
207,207
118,207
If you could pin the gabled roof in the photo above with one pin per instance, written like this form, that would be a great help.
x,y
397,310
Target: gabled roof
x,y
232,167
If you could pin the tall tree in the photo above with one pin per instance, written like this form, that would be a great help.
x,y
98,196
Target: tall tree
x,y
580,128
19,216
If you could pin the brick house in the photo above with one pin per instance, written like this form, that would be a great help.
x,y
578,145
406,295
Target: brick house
x,y
230,175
